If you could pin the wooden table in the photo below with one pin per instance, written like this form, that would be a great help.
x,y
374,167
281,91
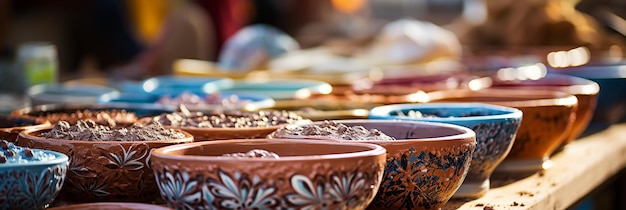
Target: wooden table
x,y
578,169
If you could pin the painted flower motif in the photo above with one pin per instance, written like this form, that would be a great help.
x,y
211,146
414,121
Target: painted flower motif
x,y
41,189
345,188
93,188
77,166
309,194
179,189
128,159
239,192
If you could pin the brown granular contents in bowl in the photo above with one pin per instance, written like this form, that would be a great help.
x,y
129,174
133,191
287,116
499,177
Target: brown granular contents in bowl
x,y
104,117
255,153
90,131
331,130
229,119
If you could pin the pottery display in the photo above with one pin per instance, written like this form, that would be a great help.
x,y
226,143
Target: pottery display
x,y
611,105
586,92
305,175
30,178
548,120
426,164
495,127
104,170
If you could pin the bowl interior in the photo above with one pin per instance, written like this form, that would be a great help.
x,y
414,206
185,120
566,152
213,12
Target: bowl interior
x,y
442,111
282,147
140,110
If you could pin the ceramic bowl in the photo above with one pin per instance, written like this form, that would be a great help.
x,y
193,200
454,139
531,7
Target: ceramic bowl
x,y
280,89
495,127
226,130
425,165
378,95
33,184
110,206
67,94
586,92
324,109
11,127
215,101
548,119
174,85
104,170
45,113
307,175
611,106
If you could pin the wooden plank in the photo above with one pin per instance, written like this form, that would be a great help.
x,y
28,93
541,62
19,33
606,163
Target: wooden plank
x,y
578,169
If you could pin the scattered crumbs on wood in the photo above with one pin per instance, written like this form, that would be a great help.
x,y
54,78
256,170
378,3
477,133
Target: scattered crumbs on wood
x,y
523,193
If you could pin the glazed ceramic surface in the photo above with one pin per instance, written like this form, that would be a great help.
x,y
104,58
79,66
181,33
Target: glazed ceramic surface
x,y
381,95
425,165
32,185
111,206
495,127
280,89
174,85
11,127
307,175
67,94
586,91
548,120
104,170
611,105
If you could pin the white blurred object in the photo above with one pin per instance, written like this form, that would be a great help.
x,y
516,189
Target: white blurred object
x,y
253,46
411,41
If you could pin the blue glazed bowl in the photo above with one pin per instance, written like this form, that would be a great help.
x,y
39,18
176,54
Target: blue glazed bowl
x,y
281,89
67,94
174,85
611,105
426,164
495,127
32,185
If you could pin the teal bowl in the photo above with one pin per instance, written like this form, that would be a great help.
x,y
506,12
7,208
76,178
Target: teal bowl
x,y
495,128
27,183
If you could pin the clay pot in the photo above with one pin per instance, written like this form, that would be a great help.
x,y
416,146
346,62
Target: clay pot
x,y
586,91
425,165
548,119
308,174
10,128
495,127
104,170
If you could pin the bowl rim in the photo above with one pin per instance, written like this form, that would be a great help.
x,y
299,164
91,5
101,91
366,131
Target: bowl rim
x,y
573,84
59,159
384,111
28,134
519,98
465,134
25,111
594,72
372,150
111,205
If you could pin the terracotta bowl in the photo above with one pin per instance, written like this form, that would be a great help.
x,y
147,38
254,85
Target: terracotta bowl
x,y
325,109
586,91
425,165
611,106
42,113
10,128
495,127
221,133
548,119
34,184
381,95
104,170
110,206
307,175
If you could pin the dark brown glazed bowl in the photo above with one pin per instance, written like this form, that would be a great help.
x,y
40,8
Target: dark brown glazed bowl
x,y
586,91
426,165
103,170
307,175
548,120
